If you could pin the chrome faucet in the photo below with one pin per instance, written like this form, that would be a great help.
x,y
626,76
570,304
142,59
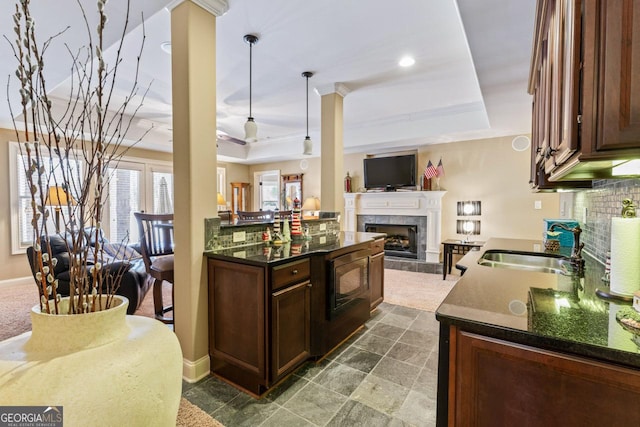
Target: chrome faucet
x,y
576,251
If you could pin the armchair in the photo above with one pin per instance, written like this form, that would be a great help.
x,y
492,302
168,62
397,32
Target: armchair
x,y
134,285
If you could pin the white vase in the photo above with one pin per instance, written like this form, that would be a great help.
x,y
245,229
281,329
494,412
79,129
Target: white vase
x,y
104,368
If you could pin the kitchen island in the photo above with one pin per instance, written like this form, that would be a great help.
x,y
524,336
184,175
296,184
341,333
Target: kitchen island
x,y
535,348
272,307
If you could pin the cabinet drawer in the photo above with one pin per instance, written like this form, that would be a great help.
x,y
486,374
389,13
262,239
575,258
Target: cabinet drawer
x,y
292,272
377,246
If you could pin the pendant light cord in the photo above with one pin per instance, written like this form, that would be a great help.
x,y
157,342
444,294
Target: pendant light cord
x,y
307,106
250,74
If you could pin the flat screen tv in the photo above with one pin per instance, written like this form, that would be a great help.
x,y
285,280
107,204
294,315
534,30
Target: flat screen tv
x,y
389,173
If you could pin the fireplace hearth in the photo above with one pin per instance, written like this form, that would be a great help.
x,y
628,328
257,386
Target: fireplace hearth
x,y
421,208
400,240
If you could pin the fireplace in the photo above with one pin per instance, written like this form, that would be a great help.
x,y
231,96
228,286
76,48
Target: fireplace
x,y
420,208
400,241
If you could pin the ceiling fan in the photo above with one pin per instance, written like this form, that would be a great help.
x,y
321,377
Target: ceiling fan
x,y
225,137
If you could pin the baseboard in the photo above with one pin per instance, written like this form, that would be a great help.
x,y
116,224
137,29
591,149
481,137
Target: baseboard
x,y
194,371
17,281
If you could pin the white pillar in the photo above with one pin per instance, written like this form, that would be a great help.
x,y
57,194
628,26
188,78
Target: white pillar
x,y
193,67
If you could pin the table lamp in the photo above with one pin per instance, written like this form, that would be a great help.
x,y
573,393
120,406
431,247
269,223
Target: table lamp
x,y
311,204
58,197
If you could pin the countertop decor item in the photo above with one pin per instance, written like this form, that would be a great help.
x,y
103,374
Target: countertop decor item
x,y
629,319
625,252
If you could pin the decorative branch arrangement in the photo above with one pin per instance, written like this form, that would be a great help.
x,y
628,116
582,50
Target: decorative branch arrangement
x,y
72,149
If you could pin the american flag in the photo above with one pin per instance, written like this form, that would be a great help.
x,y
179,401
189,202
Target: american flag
x,y
430,171
440,169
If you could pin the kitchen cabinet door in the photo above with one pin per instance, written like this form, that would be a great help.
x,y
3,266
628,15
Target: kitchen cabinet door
x,y
565,52
495,382
237,308
618,115
376,273
291,328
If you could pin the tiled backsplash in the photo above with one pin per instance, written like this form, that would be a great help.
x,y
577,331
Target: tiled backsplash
x,y
217,237
602,203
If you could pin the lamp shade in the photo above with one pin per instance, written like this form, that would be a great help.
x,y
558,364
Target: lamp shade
x,y
58,196
311,204
468,227
221,200
469,208
250,130
307,147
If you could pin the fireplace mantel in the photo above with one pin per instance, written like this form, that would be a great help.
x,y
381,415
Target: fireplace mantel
x,y
399,203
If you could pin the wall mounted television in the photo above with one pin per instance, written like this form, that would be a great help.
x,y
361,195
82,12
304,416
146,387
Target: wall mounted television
x,y
390,173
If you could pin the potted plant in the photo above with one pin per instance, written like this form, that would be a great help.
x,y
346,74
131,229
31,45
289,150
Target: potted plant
x,y
84,341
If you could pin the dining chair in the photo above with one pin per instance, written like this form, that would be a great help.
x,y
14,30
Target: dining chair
x,y
156,243
256,216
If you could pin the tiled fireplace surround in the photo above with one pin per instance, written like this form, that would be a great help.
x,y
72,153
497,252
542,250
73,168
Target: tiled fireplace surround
x,y
421,208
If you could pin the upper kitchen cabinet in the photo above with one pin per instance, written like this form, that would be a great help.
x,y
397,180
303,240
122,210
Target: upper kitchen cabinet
x,y
585,82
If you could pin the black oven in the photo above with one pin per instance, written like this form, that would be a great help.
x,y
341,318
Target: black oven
x,y
348,281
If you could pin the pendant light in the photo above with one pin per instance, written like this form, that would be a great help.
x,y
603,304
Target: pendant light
x,y
308,145
250,127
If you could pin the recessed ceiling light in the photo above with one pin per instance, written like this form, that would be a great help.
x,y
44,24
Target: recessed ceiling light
x,y
406,61
166,46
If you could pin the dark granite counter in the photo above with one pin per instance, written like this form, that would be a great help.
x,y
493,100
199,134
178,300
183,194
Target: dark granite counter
x,y
268,253
545,310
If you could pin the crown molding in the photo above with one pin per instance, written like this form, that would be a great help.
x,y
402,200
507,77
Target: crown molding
x,y
215,7
339,88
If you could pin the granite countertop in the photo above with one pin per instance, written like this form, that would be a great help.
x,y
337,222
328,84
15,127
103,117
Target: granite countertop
x,y
545,310
268,253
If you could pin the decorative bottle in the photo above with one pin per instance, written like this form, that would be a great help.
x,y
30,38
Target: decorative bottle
x,y
347,184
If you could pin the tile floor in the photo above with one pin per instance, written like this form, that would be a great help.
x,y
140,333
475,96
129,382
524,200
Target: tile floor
x,y
385,375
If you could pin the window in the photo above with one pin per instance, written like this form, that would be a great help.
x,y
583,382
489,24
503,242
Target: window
x,y
134,186
21,211
222,185
137,185
125,197
268,184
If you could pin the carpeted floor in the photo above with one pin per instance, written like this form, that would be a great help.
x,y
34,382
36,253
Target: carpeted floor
x,y
189,415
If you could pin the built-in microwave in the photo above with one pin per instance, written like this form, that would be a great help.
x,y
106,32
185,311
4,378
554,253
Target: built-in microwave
x,y
348,281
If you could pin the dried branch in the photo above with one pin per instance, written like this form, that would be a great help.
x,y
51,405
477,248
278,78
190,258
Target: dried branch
x,y
73,148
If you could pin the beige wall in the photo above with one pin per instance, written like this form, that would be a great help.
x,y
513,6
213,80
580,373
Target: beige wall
x,y
486,170
492,172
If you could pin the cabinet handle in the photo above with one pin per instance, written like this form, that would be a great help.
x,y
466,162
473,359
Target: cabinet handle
x,y
309,285
294,272
550,152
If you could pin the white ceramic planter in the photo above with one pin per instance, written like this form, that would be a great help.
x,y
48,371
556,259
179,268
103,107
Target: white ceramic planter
x,y
103,368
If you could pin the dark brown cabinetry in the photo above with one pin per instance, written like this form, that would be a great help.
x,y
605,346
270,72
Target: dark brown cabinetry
x,y
585,82
290,316
550,388
259,321
376,273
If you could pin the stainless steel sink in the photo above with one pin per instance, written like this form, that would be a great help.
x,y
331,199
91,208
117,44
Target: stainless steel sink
x,y
530,261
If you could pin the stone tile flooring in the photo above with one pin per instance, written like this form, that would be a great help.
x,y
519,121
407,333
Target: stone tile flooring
x,y
385,375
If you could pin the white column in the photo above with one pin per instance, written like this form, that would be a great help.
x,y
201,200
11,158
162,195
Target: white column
x,y
193,67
